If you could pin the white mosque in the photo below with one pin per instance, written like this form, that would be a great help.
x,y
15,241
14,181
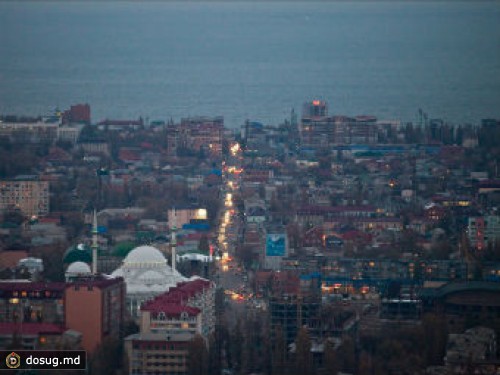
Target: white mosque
x,y
145,271
146,274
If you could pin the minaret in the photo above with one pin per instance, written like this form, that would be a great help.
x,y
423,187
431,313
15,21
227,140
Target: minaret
x,y
94,244
174,241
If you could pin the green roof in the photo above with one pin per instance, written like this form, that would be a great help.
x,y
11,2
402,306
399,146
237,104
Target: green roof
x,y
78,253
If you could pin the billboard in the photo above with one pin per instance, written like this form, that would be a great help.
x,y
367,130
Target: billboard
x,y
276,245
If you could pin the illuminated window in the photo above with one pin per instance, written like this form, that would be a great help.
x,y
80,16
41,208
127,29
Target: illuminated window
x,y
201,214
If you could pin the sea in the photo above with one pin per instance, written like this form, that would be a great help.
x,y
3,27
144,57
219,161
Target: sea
x,y
254,60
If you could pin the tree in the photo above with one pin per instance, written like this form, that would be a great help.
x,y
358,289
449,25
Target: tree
x,y
331,363
214,353
303,357
435,334
129,328
237,346
365,364
107,357
255,355
347,355
123,248
73,222
279,352
197,356
52,257
13,216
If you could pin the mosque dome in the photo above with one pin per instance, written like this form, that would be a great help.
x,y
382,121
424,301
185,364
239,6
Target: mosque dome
x,y
78,268
144,257
146,274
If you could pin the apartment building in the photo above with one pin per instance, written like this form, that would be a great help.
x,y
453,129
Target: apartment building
x,y
483,231
40,313
26,193
167,325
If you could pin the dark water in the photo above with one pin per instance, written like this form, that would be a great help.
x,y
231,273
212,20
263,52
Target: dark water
x,y
252,60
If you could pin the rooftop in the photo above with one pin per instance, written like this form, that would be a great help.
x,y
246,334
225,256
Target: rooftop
x,y
7,328
173,302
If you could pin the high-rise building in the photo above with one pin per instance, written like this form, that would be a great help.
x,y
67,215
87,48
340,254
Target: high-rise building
x,y
173,140
196,135
315,108
78,113
40,313
317,129
95,306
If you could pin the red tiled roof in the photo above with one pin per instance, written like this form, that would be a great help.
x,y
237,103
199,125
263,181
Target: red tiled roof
x,y
177,296
171,309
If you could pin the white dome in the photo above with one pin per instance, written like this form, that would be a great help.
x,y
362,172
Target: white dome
x,y
145,255
78,268
151,277
146,274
